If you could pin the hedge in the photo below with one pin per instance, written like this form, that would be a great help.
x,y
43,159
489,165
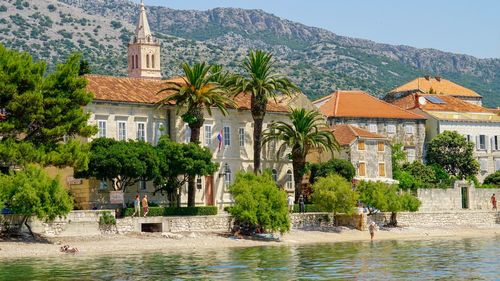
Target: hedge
x,y
173,211
310,208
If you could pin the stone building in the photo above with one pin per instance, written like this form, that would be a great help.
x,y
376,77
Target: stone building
x,y
126,108
434,85
446,113
362,110
369,153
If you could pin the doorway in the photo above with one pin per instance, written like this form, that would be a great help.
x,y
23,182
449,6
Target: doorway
x,y
465,197
209,190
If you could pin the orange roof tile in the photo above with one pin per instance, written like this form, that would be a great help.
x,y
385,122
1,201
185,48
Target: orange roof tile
x,y
345,134
139,90
361,104
437,84
450,103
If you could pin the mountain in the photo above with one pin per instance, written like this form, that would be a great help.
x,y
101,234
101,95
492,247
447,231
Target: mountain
x,y
318,60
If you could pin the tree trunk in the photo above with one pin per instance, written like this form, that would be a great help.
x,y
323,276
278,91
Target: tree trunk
x,y
195,138
258,108
298,172
394,221
25,219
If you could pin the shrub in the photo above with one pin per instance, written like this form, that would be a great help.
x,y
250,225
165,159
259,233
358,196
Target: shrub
x,y
258,204
334,194
3,8
174,211
51,8
107,219
310,208
335,166
493,179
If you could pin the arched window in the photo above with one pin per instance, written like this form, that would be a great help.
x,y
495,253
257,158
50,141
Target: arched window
x,y
227,174
132,61
147,61
152,61
136,61
275,175
289,179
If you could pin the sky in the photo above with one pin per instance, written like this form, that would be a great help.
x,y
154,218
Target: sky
x,y
460,26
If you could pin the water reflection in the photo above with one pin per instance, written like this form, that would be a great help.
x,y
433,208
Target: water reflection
x,y
468,259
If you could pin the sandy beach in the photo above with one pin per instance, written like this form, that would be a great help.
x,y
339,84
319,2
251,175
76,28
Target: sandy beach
x,y
155,242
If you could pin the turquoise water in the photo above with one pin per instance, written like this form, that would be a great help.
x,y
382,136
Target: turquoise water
x,y
467,259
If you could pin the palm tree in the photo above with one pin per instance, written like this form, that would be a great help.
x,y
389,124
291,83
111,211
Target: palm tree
x,y
196,93
307,130
262,82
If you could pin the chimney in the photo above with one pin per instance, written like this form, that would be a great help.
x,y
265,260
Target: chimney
x,y
438,78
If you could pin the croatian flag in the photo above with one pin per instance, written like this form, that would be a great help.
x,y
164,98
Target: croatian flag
x,y
219,137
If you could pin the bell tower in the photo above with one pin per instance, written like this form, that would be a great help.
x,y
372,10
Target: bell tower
x,y
143,50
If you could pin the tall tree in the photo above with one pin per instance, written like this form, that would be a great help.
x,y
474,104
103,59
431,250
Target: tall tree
x,y
454,153
262,82
178,161
198,92
307,130
41,110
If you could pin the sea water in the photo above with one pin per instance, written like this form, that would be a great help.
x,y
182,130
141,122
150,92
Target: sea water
x,y
440,259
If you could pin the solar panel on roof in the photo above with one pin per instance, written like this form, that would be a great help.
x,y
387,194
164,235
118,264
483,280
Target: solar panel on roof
x,y
435,100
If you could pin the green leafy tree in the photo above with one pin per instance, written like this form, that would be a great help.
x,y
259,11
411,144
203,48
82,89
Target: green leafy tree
x,y
198,92
262,82
386,198
398,156
123,162
341,167
307,130
84,67
178,161
493,179
42,110
258,204
334,193
31,192
454,153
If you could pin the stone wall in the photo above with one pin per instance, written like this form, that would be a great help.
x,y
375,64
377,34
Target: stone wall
x,y
325,221
442,219
444,200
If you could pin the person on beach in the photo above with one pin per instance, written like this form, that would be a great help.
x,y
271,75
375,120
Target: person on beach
x,y
290,203
302,204
372,229
137,206
145,207
494,201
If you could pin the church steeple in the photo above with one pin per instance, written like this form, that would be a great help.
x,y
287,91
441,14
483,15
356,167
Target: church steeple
x,y
143,50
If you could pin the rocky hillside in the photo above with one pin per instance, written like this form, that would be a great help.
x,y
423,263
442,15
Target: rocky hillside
x,y
316,59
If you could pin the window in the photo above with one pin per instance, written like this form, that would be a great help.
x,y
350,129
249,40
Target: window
x,y
361,145
143,185
227,135
373,128
274,174
141,131
136,61
481,142
160,131
103,185
381,169
122,130
497,164
362,169
409,129
381,146
410,154
147,61
227,174
289,179
187,133
153,61
199,184
272,146
469,138
241,136
132,61
483,164
495,143
208,135
102,128
391,128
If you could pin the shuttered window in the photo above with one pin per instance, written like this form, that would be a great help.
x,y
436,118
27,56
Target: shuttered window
x,y
362,169
361,145
381,146
381,169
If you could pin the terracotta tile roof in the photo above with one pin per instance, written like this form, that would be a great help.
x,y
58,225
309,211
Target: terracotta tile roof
x,y
361,104
449,103
438,85
345,134
139,90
